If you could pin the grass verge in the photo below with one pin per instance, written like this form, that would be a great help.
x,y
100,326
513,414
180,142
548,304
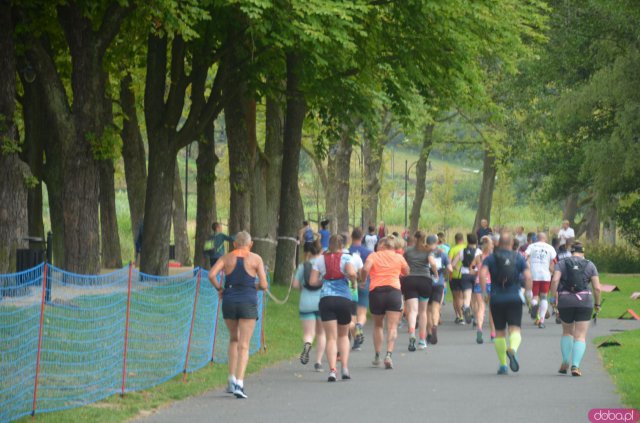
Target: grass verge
x,y
616,303
623,365
282,338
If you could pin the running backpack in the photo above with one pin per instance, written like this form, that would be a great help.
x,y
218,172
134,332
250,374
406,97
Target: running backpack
x,y
507,272
467,256
307,266
308,235
332,265
575,279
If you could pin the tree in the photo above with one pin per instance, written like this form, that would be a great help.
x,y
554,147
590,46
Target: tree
x,y
443,197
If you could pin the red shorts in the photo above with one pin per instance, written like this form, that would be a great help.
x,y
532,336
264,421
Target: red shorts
x,y
541,287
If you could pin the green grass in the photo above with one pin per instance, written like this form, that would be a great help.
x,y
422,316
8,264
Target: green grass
x,y
616,303
623,365
282,343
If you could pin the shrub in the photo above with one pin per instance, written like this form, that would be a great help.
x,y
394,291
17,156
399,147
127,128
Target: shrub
x,y
613,258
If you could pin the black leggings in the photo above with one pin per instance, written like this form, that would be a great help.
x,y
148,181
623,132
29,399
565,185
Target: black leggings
x,y
509,313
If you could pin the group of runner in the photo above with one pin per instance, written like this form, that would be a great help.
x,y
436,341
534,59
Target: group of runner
x,y
396,280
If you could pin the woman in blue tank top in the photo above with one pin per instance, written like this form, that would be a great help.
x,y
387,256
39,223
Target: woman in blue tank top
x,y
244,270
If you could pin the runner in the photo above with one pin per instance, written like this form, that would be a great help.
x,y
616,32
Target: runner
x,y
442,245
417,287
486,245
306,236
214,246
455,282
540,256
334,271
324,234
576,302
357,248
505,267
385,299
371,239
382,230
356,260
442,267
239,304
309,307
466,257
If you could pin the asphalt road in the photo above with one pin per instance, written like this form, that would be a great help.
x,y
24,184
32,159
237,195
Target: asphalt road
x,y
454,380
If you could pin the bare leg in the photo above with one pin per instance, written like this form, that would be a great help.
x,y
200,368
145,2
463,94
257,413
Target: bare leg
x,y
434,314
362,315
331,333
308,330
245,332
232,351
393,318
321,341
466,298
422,319
411,307
480,309
378,331
343,345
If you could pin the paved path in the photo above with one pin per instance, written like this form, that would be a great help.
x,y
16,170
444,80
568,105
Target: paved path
x,y
452,381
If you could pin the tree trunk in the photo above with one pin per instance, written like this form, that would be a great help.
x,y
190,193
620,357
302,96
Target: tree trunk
x,y
154,257
609,231
372,156
592,223
13,171
206,209
36,133
265,203
239,111
570,209
338,174
180,234
486,190
421,176
290,193
109,236
133,155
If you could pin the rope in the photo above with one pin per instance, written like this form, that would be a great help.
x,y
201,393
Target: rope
x,y
269,240
273,297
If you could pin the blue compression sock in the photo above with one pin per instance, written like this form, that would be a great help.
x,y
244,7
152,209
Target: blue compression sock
x,y
566,346
578,352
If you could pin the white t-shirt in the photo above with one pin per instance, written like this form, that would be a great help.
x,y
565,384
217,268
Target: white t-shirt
x,y
566,234
465,270
370,241
356,260
540,255
319,265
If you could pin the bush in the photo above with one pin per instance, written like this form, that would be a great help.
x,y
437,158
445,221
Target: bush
x,y
613,259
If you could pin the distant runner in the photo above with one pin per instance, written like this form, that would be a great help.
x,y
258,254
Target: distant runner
x,y
540,257
456,283
442,268
357,248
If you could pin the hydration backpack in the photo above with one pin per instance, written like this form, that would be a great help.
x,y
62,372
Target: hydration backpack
x,y
575,279
307,266
507,272
468,255
332,265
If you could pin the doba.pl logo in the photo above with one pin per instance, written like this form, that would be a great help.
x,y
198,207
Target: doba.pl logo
x,y
614,415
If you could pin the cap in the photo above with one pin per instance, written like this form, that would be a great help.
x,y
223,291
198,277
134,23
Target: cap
x,y
577,248
432,239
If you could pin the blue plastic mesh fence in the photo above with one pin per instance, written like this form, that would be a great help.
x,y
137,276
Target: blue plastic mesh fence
x,y
83,335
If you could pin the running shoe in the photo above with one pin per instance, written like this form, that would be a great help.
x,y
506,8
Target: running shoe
x,y
412,343
458,320
388,362
376,360
558,321
434,335
304,355
467,315
541,325
534,311
422,344
356,344
429,339
332,376
479,339
317,367
513,360
575,371
547,315
239,392
563,368
359,334
473,321
231,386
503,370
345,374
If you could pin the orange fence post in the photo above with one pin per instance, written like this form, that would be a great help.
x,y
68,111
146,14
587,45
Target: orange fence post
x,y
193,320
126,333
44,291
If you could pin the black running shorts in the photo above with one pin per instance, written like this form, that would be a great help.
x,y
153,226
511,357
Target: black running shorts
x,y
383,299
335,308
436,294
456,284
416,286
467,282
508,313
235,311
575,314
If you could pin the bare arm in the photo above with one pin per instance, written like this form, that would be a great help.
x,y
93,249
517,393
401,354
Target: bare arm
x,y
434,266
473,269
364,273
595,283
555,281
350,272
213,273
263,284
528,282
484,272
314,279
